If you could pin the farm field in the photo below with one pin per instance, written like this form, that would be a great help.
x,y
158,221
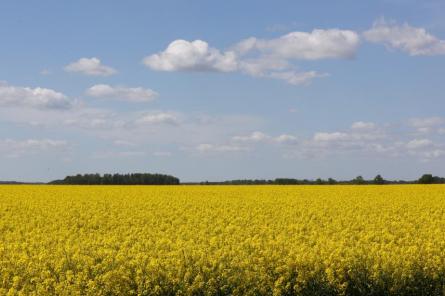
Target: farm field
x,y
222,240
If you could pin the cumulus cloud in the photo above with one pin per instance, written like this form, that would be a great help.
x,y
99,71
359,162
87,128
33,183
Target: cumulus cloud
x,y
43,98
267,58
183,55
159,118
134,94
272,57
315,45
366,138
412,40
90,66
17,148
426,151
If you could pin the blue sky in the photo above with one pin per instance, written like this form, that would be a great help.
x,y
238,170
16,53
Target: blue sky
x,y
222,90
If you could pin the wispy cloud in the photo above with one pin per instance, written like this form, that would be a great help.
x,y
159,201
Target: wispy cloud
x,y
412,40
131,94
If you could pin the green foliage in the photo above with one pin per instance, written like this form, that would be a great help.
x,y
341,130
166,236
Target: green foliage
x,y
358,180
429,179
119,179
378,180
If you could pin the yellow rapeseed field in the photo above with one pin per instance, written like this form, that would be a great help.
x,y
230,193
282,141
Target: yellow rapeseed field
x,y
222,240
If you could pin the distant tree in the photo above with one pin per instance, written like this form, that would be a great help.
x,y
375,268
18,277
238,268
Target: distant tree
x,y
426,179
378,180
319,181
438,180
119,179
331,181
358,180
286,181
430,179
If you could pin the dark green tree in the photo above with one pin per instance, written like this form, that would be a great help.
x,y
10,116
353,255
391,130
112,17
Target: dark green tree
x,y
319,181
358,180
426,179
331,181
378,180
119,179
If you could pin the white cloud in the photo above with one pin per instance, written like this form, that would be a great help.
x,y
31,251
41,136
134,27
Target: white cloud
x,y
94,119
253,137
368,139
328,137
268,67
419,143
220,148
436,153
43,98
272,57
318,44
361,125
249,142
286,139
427,121
259,67
297,78
182,55
414,41
90,66
135,94
259,57
245,46
159,118
17,148
427,124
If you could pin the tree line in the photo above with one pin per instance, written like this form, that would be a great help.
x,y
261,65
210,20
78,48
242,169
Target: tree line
x,y
359,180
118,179
161,179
